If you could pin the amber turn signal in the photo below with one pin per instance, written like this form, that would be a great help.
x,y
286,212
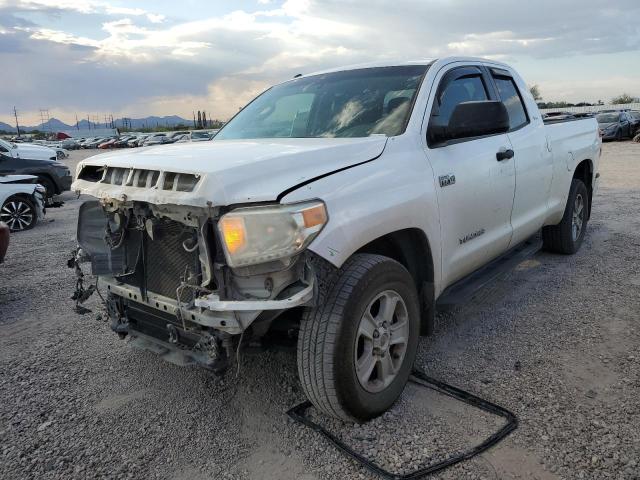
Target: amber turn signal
x,y
234,233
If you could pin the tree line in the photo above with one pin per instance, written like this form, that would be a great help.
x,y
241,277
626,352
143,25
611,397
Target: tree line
x,y
622,99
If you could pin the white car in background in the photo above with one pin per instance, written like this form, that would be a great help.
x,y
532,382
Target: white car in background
x,y
21,201
28,150
157,139
200,136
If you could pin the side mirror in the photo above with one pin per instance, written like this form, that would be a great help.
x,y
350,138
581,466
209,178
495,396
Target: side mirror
x,y
476,119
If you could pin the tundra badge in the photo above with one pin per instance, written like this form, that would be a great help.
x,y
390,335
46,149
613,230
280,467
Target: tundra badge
x,y
446,180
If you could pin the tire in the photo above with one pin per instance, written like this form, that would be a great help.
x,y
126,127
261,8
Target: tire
x,y
563,238
49,187
332,341
19,213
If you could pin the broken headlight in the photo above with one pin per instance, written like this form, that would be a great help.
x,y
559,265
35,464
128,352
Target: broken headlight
x,y
256,235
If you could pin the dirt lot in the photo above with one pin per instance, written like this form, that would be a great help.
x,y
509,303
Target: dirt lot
x,y
557,341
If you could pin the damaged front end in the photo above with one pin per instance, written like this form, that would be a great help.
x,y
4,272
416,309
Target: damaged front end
x,y
179,286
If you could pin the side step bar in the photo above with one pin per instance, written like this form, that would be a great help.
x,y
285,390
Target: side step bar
x,y
463,290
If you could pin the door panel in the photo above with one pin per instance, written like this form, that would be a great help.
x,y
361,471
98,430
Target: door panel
x,y
475,211
532,160
474,190
534,173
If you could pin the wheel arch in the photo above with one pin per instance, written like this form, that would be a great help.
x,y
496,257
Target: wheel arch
x,y
584,172
411,248
49,177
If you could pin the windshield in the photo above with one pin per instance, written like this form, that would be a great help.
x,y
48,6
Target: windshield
x,y
7,145
352,103
607,117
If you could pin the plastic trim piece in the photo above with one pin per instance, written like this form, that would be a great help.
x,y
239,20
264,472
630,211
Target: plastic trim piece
x,y
420,378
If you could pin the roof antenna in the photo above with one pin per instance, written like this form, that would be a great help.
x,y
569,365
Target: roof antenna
x,y
297,75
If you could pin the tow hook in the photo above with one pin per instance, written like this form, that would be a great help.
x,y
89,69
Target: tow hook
x,y
173,333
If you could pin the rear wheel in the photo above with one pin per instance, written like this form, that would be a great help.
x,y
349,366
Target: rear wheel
x,y
18,213
566,237
357,347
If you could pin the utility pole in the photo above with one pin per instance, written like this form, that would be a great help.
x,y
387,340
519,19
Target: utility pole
x,y
77,124
15,114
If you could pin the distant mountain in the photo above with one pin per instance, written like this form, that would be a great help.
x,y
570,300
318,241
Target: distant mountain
x,y
6,127
55,125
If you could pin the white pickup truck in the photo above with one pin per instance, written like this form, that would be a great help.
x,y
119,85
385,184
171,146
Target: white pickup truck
x,y
334,209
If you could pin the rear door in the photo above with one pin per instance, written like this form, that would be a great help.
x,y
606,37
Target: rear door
x,y
475,190
532,159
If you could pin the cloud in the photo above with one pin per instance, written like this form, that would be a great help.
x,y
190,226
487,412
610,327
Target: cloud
x,y
125,57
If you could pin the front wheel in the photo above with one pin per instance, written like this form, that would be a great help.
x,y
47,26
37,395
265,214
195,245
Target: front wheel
x,y
357,347
19,214
566,237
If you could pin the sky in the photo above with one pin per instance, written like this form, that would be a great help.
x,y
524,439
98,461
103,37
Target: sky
x,y
140,58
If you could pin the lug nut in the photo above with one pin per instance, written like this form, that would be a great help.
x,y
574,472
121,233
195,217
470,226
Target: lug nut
x,y
376,334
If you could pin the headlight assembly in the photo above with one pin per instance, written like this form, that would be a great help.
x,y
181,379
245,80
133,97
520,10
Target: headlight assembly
x,y
256,235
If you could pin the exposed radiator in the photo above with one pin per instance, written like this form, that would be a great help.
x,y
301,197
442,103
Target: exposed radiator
x,y
164,260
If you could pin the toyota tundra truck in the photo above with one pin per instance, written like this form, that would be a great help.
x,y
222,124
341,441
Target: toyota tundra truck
x,y
333,211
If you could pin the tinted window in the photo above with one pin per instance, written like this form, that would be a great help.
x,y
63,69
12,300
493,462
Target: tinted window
x,y
511,98
465,89
607,118
352,103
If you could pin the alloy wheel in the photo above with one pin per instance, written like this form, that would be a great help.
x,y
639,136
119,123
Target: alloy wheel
x,y
17,214
578,217
381,341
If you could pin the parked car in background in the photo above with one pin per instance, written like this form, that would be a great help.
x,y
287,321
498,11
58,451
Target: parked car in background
x,y
86,141
22,201
4,240
27,150
107,144
122,141
139,140
615,125
173,135
182,138
69,144
157,139
200,136
53,175
93,143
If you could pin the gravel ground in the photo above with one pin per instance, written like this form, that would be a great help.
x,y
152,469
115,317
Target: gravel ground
x,y
557,341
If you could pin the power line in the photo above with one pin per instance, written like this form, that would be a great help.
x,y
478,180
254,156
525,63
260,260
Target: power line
x,y
44,113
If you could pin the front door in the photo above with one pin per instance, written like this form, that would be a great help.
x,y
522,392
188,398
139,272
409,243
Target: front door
x,y
475,190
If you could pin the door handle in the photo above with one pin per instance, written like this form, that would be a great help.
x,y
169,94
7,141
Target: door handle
x,y
504,154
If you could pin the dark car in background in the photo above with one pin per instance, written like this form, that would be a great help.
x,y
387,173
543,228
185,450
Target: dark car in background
x,y
53,175
615,125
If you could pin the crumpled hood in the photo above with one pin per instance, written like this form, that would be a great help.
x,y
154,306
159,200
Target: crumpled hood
x,y
233,171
